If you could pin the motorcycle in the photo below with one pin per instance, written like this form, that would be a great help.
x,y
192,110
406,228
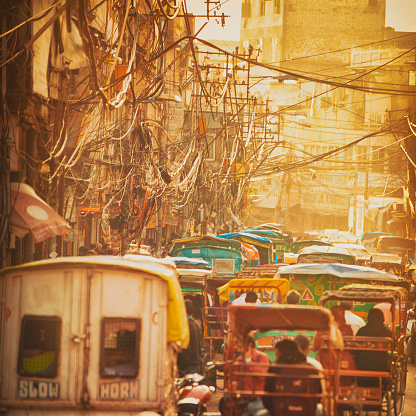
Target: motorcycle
x,y
411,335
193,394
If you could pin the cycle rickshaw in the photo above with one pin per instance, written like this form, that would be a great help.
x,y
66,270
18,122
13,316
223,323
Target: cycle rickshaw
x,y
222,292
291,389
372,390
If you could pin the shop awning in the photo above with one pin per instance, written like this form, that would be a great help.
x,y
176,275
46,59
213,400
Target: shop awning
x,y
30,214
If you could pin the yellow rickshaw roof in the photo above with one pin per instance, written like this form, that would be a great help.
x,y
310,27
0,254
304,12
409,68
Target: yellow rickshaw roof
x,y
282,285
177,323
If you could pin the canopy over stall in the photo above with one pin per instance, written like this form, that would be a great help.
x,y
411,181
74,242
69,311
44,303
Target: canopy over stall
x,y
30,214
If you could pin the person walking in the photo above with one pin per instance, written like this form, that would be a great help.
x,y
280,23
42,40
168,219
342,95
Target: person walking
x,y
190,359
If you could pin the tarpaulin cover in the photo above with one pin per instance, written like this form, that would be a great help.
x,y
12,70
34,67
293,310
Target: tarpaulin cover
x,y
252,254
345,271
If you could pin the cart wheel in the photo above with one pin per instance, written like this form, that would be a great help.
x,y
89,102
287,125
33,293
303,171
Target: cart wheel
x,y
210,374
399,389
388,404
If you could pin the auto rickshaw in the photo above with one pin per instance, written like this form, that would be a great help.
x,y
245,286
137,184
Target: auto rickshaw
x,y
226,257
193,274
262,244
301,243
392,263
279,245
325,254
362,256
219,296
92,335
285,387
311,280
395,245
369,389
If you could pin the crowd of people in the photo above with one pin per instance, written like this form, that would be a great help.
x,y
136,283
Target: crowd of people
x,y
105,249
96,249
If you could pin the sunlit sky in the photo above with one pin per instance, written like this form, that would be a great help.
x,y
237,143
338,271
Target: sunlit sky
x,y
400,14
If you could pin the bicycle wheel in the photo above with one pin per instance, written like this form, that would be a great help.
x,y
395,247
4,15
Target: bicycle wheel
x,y
399,389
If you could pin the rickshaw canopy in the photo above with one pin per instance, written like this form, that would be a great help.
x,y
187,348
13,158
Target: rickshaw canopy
x,y
271,226
247,237
191,263
299,244
325,254
340,270
370,293
204,239
271,235
281,286
386,258
246,318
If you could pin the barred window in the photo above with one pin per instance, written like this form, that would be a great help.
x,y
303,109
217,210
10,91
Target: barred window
x,y
246,9
120,342
262,8
39,346
276,6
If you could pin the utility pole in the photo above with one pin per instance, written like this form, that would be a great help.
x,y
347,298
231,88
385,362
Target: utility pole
x,y
354,207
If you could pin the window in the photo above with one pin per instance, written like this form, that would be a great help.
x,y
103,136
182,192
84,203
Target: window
x,y
274,47
362,153
246,46
120,342
276,6
39,346
210,149
259,47
262,7
378,161
246,9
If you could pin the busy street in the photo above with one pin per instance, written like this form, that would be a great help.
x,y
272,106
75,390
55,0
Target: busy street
x,y
207,208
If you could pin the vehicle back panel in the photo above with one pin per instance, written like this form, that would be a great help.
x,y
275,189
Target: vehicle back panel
x,y
99,327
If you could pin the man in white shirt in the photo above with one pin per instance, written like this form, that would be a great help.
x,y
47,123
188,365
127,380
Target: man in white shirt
x,y
244,298
352,319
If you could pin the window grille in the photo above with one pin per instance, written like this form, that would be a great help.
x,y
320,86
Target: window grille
x,y
276,6
120,346
39,346
262,8
273,49
246,9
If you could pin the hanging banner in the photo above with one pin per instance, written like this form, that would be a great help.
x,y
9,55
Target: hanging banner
x,y
41,46
174,120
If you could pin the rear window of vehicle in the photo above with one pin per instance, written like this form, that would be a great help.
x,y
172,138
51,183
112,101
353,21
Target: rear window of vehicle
x,y
120,346
39,346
